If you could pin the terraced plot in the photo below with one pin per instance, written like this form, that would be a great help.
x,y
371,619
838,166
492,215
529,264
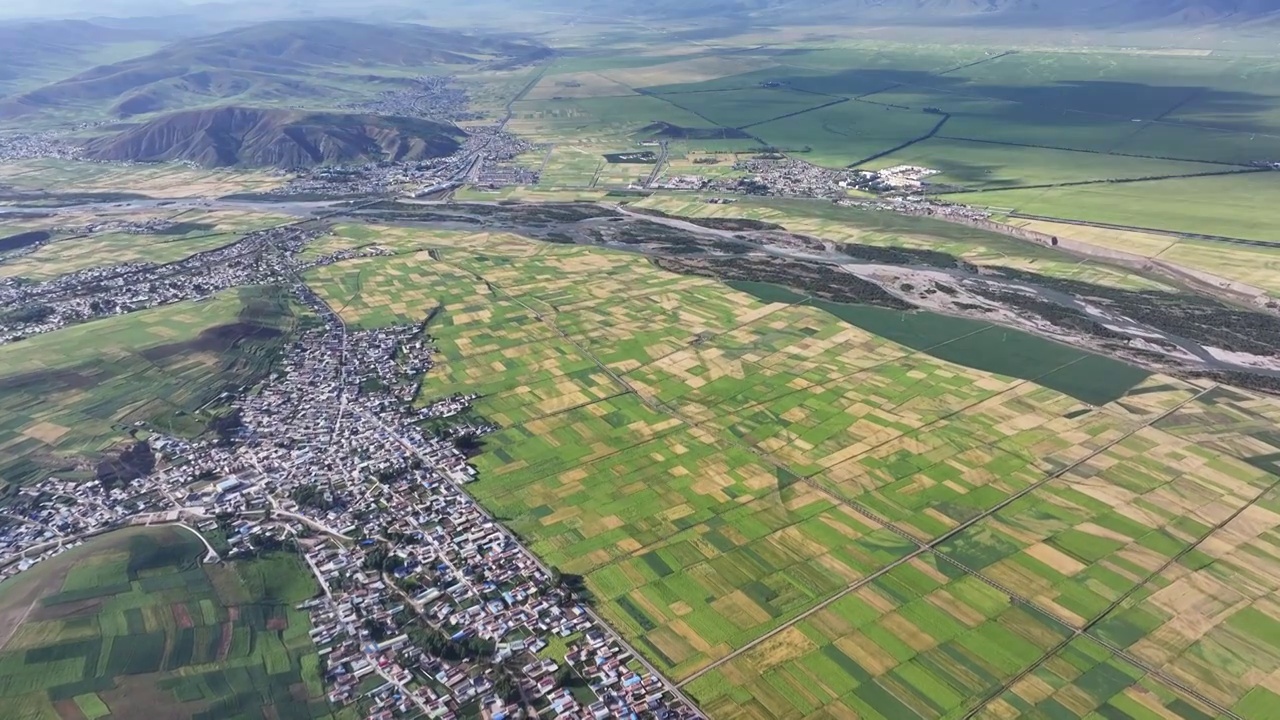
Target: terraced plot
x,y
792,514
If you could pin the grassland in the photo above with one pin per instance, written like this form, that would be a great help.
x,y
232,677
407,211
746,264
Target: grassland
x,y
68,395
796,514
981,166
132,625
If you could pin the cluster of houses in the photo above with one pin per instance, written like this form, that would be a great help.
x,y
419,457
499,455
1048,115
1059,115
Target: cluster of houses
x,y
783,177
36,308
896,179
434,97
28,146
404,553
484,157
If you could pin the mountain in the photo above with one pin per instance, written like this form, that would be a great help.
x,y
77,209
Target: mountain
x,y
32,53
252,137
1092,13
284,62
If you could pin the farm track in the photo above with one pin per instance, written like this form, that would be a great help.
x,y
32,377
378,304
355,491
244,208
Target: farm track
x,y
797,113
713,123
931,548
932,133
975,63
1087,627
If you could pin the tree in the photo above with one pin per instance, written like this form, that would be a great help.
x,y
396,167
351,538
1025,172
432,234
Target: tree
x,y
227,426
312,497
564,675
506,687
376,629
133,462
376,558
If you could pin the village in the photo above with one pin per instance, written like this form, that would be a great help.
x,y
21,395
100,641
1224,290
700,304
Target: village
x,y
429,607
40,307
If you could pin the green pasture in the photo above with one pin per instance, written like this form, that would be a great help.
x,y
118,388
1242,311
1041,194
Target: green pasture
x,y
979,166
739,108
1235,206
846,134
592,118
1028,118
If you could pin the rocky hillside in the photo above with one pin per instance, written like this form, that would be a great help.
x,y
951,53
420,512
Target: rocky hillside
x,y
251,137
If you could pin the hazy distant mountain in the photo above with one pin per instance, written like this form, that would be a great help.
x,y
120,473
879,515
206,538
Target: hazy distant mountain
x,y
254,137
34,51
924,12
270,63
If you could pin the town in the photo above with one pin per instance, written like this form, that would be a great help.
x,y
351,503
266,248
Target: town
x,y
485,157
433,97
429,607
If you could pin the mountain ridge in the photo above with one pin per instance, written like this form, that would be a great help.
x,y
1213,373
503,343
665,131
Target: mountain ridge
x,y
257,137
1017,12
279,61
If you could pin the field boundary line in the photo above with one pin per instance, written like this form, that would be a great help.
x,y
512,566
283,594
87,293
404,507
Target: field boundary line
x,y
1104,181
833,103
933,544
1085,630
927,136
1059,148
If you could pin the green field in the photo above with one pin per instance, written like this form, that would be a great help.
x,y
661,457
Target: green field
x,y
163,180
191,232
973,165
1235,206
743,478
1037,117
133,625
71,394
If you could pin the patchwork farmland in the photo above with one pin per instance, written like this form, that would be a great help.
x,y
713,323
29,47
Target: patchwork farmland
x,y
80,392
792,515
132,624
